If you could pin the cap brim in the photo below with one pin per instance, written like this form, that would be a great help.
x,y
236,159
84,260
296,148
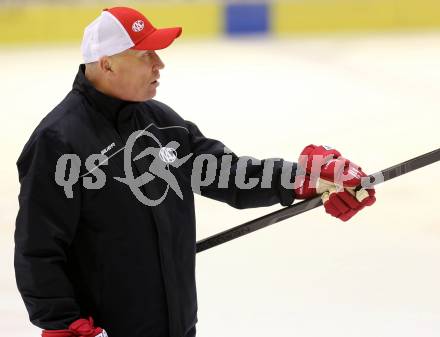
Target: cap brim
x,y
159,39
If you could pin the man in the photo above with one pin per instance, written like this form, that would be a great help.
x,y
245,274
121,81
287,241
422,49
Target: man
x,y
106,247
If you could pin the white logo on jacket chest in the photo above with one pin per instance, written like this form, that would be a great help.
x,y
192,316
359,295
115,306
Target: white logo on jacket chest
x,y
167,154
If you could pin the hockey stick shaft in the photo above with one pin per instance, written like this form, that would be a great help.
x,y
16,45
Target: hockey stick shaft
x,y
309,204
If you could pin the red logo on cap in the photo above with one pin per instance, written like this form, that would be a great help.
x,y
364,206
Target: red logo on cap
x,y
137,26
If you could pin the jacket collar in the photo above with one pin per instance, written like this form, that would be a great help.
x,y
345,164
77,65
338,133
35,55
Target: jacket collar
x,y
104,104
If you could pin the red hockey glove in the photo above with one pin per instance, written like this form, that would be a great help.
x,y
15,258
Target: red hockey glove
x,y
322,170
80,328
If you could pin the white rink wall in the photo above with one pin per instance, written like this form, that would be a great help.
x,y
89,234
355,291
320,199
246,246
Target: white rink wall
x,y
373,97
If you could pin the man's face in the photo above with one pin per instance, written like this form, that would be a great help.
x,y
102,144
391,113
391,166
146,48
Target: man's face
x,y
135,74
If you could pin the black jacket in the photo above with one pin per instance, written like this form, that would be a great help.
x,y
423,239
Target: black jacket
x,y
102,252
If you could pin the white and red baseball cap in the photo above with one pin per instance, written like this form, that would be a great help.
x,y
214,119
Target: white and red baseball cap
x,y
121,28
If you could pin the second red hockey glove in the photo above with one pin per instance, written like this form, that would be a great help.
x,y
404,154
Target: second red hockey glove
x,y
80,328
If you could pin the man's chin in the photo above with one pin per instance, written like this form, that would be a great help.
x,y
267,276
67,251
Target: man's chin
x,y
144,98
151,94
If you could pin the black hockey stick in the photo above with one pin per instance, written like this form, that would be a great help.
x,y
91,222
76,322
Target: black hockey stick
x,y
307,205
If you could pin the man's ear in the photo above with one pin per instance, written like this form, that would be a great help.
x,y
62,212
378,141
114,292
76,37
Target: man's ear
x,y
104,64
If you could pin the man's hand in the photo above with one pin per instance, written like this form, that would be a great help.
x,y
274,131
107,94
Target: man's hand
x,y
322,170
80,328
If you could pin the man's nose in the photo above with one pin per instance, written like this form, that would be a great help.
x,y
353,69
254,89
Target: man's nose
x,y
158,62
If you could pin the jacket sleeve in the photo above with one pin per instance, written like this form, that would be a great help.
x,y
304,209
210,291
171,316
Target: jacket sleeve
x,y
45,227
242,182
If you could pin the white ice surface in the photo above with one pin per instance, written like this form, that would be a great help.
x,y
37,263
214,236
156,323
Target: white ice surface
x,y
373,97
